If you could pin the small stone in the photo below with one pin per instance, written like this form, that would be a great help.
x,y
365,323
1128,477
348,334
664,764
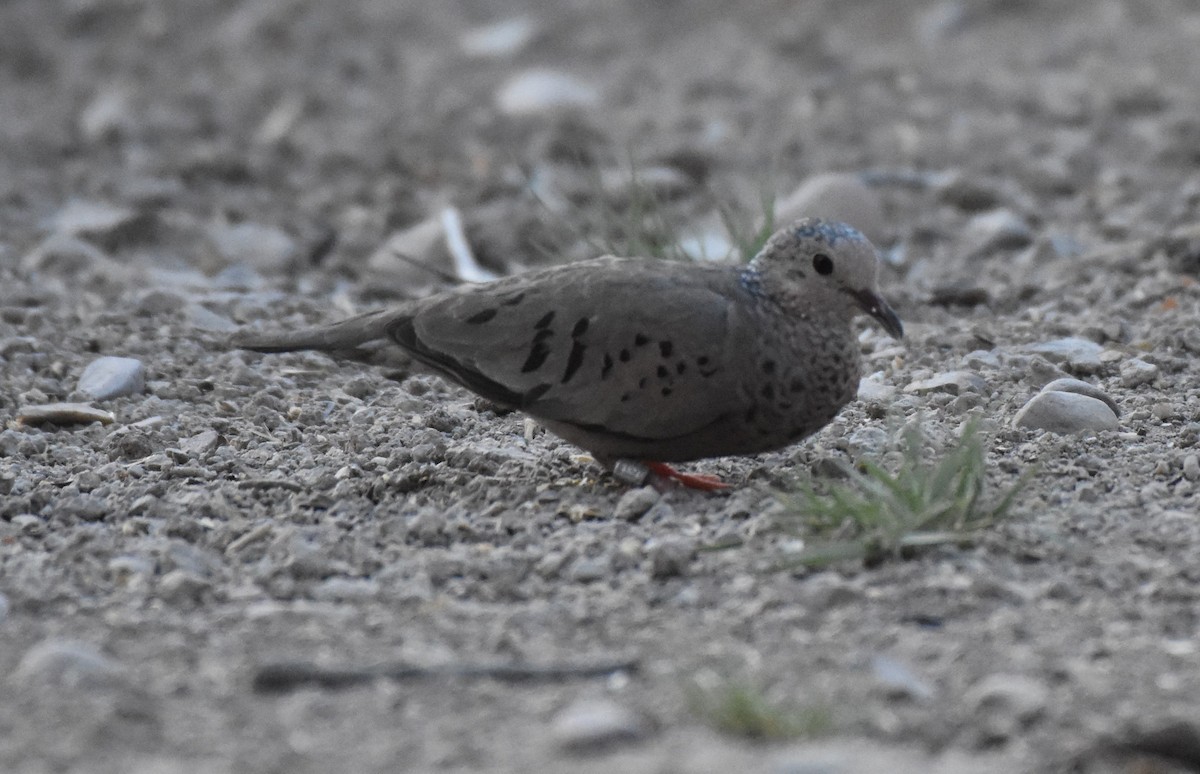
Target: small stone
x,y
1006,703
3,608
899,680
64,254
92,219
542,91
107,116
504,38
953,382
29,524
1083,388
871,389
966,192
836,196
998,230
106,378
670,557
634,503
63,414
589,569
589,725
202,444
67,664
338,589
1065,413
266,248
1136,372
182,586
1191,467
1080,355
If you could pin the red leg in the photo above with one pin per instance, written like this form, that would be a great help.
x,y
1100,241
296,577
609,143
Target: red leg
x,y
702,481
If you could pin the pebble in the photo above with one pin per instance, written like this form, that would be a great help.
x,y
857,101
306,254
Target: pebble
x,y
589,569
63,414
899,680
3,607
201,444
338,589
953,382
180,585
112,377
1083,388
67,664
1005,703
1136,372
92,219
543,91
503,38
107,115
967,192
1065,413
589,725
836,196
998,230
634,503
670,556
266,248
204,319
1079,354
64,254
1191,467
871,389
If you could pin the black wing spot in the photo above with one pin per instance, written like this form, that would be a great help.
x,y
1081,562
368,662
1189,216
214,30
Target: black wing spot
x,y
479,318
580,327
542,335
767,391
680,367
702,360
537,356
547,318
666,348
666,391
624,356
662,372
608,364
625,398
513,300
768,366
574,361
797,385
641,340
642,383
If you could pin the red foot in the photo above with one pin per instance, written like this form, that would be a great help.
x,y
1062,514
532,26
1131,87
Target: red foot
x,y
702,481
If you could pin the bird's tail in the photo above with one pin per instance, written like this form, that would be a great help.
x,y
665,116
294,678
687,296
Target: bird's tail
x,y
343,335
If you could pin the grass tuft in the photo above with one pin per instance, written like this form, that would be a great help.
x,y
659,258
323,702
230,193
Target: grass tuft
x,y
874,514
742,709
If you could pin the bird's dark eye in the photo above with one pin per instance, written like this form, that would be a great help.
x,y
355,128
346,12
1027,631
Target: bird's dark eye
x,y
823,263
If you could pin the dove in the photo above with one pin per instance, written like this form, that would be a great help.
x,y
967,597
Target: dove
x,y
649,361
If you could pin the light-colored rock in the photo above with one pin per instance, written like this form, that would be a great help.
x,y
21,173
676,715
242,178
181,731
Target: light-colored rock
x,y
67,664
543,91
1136,372
997,230
1083,388
836,196
953,382
670,556
266,248
900,680
589,725
503,38
63,414
634,503
1066,413
1078,354
106,378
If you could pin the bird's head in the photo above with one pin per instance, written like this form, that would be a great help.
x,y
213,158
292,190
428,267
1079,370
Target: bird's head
x,y
820,267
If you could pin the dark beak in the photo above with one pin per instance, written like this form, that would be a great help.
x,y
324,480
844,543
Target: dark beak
x,y
875,306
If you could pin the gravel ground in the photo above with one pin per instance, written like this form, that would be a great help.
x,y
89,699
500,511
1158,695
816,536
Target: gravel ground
x,y
172,171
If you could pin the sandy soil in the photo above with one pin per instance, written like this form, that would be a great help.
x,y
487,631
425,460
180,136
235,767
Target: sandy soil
x,y
170,171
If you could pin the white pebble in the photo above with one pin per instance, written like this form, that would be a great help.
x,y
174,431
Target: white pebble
x,y
589,724
540,91
112,377
1065,413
